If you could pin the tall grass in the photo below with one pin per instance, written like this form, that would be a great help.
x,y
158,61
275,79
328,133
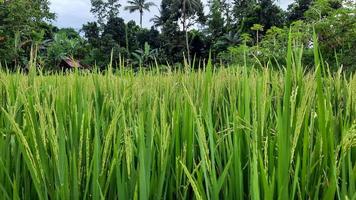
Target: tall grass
x,y
236,133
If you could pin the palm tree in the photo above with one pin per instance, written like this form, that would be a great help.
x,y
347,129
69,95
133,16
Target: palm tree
x,y
157,20
139,5
190,8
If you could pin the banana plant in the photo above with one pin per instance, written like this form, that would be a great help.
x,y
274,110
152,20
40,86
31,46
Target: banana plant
x,y
145,56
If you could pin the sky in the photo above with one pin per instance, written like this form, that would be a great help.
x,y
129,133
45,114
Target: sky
x,y
75,13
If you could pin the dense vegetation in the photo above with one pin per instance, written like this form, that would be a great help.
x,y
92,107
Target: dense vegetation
x,y
237,104
233,133
182,29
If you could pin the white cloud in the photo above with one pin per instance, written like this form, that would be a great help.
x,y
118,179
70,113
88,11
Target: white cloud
x,y
75,13
284,3
71,13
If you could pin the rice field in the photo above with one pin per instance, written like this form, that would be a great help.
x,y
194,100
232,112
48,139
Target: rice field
x,y
235,133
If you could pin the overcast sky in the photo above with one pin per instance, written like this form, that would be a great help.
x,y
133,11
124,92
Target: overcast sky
x,y
75,13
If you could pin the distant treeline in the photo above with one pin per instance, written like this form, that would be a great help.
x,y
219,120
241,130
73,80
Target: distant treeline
x,y
230,31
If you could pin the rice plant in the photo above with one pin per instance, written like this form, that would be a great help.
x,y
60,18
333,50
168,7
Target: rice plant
x,y
234,133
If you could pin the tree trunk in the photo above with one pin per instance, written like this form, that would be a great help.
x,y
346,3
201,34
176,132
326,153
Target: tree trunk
x,y
186,32
141,16
188,47
257,38
127,40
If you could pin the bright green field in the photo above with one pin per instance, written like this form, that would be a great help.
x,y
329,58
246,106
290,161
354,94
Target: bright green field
x,y
237,133
231,134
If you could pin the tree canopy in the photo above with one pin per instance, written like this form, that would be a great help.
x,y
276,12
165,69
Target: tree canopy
x,y
184,29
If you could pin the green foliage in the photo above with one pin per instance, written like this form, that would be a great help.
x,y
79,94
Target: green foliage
x,y
264,12
237,55
241,10
183,32
234,133
258,28
145,57
321,9
297,9
273,47
22,25
216,21
66,44
115,28
105,9
337,34
176,14
91,33
118,37
219,27
335,27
